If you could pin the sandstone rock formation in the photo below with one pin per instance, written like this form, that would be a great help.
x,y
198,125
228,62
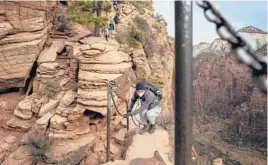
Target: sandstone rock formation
x,y
23,31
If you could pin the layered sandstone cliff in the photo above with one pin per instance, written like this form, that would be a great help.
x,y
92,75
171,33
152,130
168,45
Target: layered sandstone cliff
x,y
24,29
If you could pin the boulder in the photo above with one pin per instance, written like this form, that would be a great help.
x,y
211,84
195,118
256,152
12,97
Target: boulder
x,y
80,35
52,104
4,146
44,120
98,46
93,40
60,48
69,152
10,139
64,82
24,110
217,161
5,28
91,53
110,48
84,47
91,159
26,116
22,156
18,123
48,68
99,147
57,122
120,136
127,10
49,54
68,98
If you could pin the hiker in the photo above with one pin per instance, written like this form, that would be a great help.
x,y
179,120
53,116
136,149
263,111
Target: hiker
x,y
150,108
116,18
111,28
106,32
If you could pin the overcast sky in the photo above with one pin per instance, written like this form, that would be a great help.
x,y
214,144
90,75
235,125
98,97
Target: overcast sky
x,y
239,13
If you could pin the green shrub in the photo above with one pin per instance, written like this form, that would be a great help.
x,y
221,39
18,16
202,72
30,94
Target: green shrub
x,y
158,17
107,7
150,44
88,12
39,146
52,88
148,5
135,37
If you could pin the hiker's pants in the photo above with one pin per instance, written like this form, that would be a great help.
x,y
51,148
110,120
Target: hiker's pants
x,y
150,115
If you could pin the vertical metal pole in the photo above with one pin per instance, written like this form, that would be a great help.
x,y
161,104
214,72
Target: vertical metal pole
x,y
183,82
108,121
127,118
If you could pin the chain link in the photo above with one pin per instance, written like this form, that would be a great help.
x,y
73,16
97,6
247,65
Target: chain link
x,y
245,52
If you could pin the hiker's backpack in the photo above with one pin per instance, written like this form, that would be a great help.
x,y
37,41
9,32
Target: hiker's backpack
x,y
155,90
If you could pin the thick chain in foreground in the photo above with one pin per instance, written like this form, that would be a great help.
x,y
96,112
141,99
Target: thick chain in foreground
x,y
245,52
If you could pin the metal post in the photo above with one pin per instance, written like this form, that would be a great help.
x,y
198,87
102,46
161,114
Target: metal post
x,y
127,117
183,82
108,121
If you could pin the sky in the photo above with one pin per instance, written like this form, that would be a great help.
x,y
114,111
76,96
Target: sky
x,y
238,13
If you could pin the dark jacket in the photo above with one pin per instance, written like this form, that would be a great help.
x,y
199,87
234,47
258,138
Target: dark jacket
x,y
148,101
116,19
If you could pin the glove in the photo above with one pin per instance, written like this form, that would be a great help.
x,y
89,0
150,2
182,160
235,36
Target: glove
x,y
127,115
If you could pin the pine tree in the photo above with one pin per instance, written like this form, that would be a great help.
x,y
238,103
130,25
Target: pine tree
x,y
86,12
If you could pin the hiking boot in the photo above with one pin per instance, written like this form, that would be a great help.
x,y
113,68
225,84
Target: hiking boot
x,y
144,129
152,128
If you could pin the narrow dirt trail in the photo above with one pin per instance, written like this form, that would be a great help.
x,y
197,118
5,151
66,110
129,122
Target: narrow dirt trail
x,y
144,146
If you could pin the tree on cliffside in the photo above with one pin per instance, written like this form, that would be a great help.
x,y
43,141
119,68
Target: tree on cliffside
x,y
88,13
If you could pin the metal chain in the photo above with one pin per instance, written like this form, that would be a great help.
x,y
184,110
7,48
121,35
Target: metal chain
x,y
245,52
113,100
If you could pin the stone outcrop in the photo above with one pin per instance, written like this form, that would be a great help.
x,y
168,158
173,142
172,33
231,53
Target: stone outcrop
x,y
69,152
98,63
22,156
23,31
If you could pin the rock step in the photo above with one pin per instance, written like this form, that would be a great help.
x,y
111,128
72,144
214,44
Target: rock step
x,y
71,151
106,68
96,77
50,54
159,141
112,57
92,94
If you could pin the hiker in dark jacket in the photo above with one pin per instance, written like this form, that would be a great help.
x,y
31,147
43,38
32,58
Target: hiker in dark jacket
x,y
116,18
150,107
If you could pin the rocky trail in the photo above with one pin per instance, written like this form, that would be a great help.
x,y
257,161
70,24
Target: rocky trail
x,y
60,89
147,149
